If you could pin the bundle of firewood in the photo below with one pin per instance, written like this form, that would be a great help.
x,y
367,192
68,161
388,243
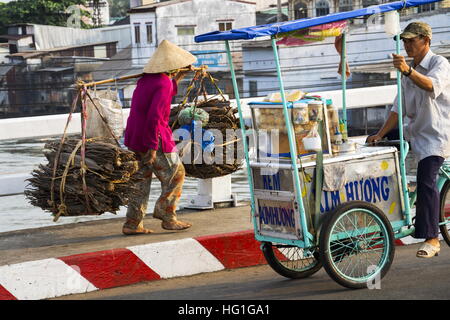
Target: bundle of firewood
x,y
105,182
222,117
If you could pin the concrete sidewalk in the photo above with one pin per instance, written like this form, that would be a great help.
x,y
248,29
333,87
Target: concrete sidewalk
x,y
49,242
77,258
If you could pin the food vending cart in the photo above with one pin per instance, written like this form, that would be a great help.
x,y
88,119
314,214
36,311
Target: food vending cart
x,y
315,205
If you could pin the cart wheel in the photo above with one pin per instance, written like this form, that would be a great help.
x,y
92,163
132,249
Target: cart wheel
x,y
356,244
445,212
290,261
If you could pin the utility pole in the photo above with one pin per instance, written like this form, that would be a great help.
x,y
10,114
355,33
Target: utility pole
x,y
279,16
96,15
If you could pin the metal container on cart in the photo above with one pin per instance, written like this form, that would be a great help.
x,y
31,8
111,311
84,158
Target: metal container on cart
x,y
370,174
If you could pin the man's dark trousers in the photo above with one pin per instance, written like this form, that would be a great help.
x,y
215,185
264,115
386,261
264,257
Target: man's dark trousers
x,y
428,198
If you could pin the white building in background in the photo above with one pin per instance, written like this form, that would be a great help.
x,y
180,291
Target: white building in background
x,y
138,3
266,4
314,67
4,51
260,4
41,55
180,20
299,9
28,37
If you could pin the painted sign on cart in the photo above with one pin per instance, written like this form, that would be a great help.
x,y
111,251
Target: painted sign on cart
x,y
277,216
374,180
373,190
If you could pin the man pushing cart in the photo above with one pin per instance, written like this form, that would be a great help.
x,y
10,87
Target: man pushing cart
x,y
314,207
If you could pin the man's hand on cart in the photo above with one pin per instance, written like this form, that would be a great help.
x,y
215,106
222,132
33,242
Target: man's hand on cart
x,y
378,141
388,126
373,139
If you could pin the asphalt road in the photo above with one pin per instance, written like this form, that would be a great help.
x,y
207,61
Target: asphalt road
x,y
409,278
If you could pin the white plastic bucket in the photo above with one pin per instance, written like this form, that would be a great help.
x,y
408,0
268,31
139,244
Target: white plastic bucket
x,y
312,143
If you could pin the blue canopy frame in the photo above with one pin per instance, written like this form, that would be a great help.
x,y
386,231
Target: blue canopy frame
x,y
281,27
275,29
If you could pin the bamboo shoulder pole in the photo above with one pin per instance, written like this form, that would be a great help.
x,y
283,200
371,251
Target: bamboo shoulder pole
x,y
133,76
91,84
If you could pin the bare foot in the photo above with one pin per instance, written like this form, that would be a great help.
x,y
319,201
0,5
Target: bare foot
x,y
175,225
140,230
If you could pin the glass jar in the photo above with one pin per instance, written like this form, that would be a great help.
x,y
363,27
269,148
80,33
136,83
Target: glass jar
x,y
315,110
300,113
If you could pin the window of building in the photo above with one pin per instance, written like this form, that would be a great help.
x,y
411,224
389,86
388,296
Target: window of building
x,y
224,26
345,5
253,88
185,30
426,7
300,10
13,48
100,52
137,33
322,8
368,3
149,28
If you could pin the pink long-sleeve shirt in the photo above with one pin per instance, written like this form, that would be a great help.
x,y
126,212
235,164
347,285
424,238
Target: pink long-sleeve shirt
x,y
148,122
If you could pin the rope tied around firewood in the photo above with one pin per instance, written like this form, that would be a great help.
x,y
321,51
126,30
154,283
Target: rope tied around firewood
x,y
221,117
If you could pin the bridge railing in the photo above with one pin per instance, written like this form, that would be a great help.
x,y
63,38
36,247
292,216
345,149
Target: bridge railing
x,y
53,125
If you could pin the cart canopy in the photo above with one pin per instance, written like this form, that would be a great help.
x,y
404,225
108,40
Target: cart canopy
x,y
287,26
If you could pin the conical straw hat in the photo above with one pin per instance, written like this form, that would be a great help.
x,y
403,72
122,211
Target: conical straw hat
x,y
167,57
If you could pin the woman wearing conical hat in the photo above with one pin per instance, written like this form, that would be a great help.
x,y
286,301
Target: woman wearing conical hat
x,y
148,134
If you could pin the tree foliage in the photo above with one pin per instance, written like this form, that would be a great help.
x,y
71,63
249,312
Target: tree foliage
x,y
119,8
48,12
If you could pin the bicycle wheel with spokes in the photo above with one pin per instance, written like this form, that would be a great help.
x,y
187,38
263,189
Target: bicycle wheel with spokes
x,y
445,212
291,261
356,244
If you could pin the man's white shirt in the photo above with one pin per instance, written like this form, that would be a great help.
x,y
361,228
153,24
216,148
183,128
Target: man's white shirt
x,y
428,113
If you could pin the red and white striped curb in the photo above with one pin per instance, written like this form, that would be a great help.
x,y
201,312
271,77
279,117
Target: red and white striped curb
x,y
55,277
83,273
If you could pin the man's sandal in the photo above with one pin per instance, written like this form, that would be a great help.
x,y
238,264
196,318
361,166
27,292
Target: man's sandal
x,y
427,250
